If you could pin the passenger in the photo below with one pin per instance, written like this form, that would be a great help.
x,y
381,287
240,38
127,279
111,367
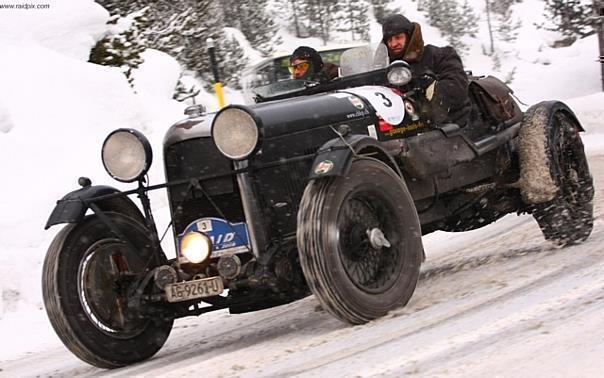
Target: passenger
x,y
306,64
443,78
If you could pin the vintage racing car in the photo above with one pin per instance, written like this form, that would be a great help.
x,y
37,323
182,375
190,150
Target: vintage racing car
x,y
317,188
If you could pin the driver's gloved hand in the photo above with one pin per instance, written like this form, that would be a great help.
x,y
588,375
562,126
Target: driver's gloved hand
x,y
426,83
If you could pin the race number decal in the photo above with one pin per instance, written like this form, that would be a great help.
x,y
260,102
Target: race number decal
x,y
386,103
226,237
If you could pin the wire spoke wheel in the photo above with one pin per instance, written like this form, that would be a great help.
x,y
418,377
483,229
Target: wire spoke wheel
x,y
368,266
359,241
108,271
87,279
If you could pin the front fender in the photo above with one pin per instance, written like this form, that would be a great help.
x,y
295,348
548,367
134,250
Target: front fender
x,y
73,206
335,156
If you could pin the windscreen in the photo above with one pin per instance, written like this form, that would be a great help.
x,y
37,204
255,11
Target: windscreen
x,y
352,61
363,59
280,87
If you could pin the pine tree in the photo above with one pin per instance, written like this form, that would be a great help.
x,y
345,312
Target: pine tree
x,y
382,9
122,50
317,17
183,92
123,7
454,22
289,12
571,17
182,28
508,27
469,19
353,19
500,6
252,18
505,25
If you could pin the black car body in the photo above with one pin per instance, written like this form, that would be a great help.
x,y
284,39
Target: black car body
x,y
317,188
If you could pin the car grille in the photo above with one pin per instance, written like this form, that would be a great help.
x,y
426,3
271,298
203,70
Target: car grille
x,y
197,158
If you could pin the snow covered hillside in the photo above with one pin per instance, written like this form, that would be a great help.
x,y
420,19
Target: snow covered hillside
x,y
56,109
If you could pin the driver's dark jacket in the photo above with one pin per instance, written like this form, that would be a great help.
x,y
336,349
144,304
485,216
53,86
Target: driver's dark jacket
x,y
450,102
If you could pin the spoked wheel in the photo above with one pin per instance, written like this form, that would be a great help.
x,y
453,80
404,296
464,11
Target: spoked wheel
x,y
87,276
568,217
359,241
368,258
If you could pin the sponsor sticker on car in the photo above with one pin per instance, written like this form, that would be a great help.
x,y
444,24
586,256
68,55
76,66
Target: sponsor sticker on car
x,y
385,101
226,237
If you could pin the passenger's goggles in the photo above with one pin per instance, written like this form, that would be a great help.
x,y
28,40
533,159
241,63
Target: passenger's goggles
x,y
299,67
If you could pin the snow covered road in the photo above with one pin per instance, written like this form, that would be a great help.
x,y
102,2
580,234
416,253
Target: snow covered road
x,y
499,301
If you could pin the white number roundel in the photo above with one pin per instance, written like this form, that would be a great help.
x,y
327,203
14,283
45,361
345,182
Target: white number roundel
x,y
385,101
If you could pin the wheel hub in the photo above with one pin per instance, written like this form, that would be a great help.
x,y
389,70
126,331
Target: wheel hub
x,y
377,240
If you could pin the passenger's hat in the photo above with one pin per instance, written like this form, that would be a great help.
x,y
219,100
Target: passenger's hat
x,y
309,54
396,24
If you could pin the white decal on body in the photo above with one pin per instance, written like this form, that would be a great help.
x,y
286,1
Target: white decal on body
x,y
385,101
372,131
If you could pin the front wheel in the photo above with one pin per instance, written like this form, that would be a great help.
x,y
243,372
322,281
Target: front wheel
x,y
359,240
87,275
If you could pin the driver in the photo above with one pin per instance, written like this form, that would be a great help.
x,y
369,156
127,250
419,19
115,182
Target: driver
x,y
440,70
306,64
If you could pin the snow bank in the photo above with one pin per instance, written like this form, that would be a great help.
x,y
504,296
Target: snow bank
x,y
69,27
55,111
590,111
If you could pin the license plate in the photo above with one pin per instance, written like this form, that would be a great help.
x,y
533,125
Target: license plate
x,y
184,291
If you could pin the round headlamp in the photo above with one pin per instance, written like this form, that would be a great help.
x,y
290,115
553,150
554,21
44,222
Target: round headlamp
x,y
235,133
126,155
399,73
196,247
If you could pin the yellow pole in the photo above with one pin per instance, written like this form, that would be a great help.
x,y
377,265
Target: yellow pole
x,y
219,94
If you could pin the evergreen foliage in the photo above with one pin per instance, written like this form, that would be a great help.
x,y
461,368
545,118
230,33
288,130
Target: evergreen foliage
x,y
320,16
354,19
383,9
311,18
288,11
123,7
183,92
507,29
254,21
180,28
453,21
500,6
501,21
123,49
469,19
571,17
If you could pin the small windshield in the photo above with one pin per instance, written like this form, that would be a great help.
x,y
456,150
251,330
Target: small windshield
x,y
363,59
352,62
280,87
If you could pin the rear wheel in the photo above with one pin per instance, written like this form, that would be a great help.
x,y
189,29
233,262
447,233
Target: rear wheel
x,y
359,241
87,275
568,217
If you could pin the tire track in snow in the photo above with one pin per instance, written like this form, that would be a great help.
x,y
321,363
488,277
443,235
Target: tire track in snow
x,y
474,308
466,336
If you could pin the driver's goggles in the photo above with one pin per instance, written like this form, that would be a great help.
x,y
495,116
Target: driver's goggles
x,y
299,67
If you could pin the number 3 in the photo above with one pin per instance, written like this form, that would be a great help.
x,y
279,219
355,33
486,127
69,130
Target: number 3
x,y
387,102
